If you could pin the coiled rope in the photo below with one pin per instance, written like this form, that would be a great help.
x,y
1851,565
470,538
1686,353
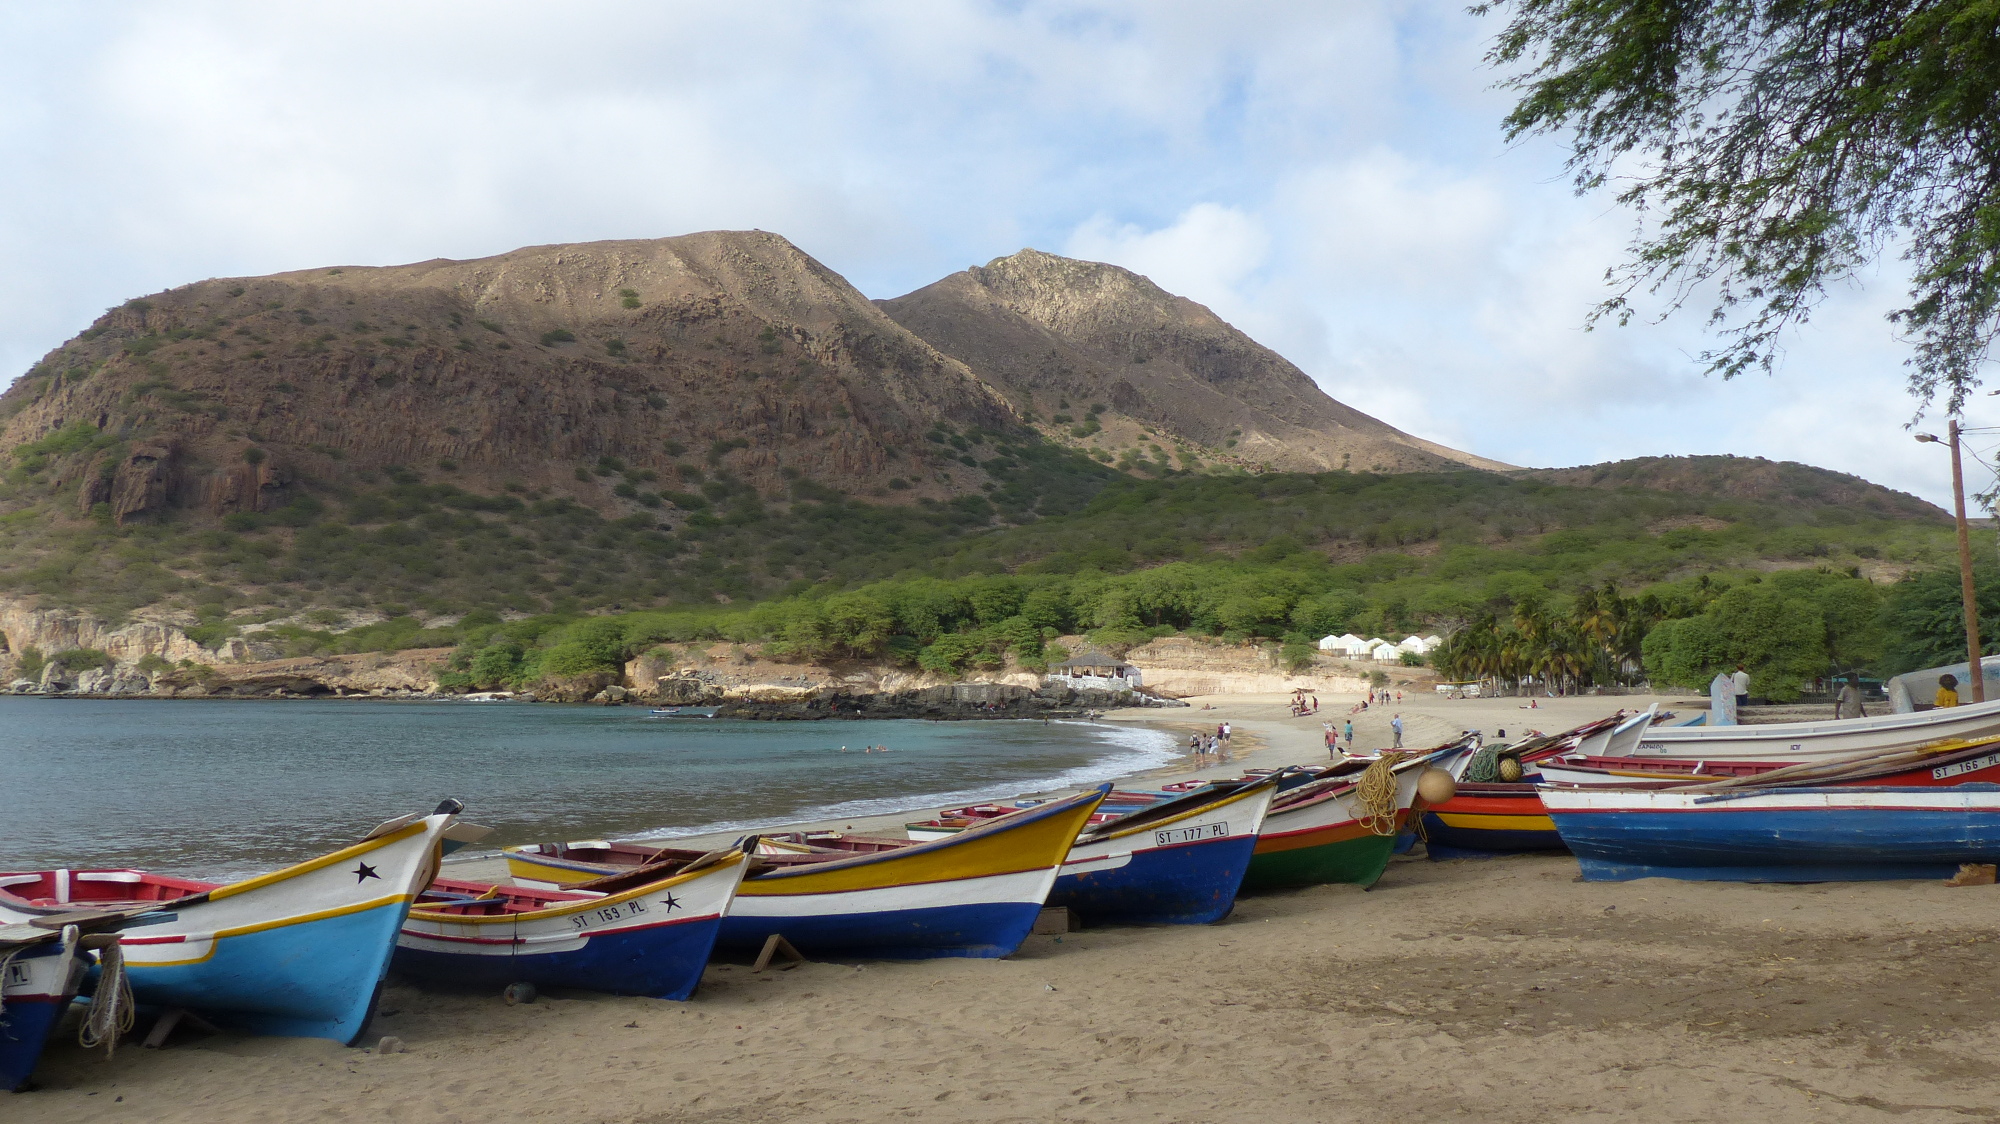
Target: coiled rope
x,y
1376,793
112,1011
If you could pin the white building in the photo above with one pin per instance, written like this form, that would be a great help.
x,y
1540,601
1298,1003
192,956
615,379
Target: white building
x,y
1095,670
1346,644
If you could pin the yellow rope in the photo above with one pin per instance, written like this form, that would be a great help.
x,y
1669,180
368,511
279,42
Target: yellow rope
x,y
1376,793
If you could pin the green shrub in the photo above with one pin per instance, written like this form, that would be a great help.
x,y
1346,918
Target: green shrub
x,y
556,336
82,659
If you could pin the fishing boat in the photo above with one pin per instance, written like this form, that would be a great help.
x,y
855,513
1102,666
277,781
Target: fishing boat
x,y
951,821
40,971
1486,819
683,712
976,893
1780,741
1762,834
645,932
1325,831
1176,861
1948,764
1483,819
299,952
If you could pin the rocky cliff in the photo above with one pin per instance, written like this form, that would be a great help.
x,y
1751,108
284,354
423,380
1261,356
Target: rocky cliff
x,y
1112,362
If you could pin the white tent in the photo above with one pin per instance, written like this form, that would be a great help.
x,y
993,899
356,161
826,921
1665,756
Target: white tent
x,y
1329,643
1433,640
1387,652
1415,644
1354,646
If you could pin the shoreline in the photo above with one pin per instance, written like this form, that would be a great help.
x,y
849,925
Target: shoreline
x,y
1499,989
1268,738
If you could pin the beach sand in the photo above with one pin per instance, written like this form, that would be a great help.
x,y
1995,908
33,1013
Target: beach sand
x,y
1496,990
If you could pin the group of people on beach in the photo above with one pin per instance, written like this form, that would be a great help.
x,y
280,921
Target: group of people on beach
x,y
1215,745
1303,704
1340,742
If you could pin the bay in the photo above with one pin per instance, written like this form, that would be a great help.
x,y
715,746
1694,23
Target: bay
x,y
216,789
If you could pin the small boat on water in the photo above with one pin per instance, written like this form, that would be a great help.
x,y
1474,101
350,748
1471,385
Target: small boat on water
x,y
299,952
976,893
683,712
1763,834
1781,741
648,931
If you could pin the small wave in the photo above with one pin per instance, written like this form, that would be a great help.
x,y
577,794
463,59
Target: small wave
x,y
1136,749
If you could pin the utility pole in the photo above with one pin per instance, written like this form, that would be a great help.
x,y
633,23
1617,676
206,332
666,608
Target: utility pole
x,y
1978,674
1974,671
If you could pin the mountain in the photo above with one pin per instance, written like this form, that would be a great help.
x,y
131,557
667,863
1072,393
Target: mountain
x,y
1107,361
535,370
1746,478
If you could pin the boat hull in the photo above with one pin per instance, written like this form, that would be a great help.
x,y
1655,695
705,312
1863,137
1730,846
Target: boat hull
x,y
1183,871
1792,835
1809,740
301,952
975,917
1322,840
975,894
38,986
1477,822
651,941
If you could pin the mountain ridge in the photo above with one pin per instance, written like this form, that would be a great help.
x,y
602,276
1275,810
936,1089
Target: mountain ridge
x,y
1059,336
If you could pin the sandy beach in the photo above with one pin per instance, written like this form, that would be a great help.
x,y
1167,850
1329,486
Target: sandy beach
x,y
1498,990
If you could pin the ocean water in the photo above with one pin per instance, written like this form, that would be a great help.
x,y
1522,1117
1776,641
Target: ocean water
x,y
220,789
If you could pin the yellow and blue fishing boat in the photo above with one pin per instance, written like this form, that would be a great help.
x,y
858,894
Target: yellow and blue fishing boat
x,y
976,893
298,952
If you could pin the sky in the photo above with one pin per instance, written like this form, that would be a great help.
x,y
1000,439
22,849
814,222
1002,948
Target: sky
x,y
1331,178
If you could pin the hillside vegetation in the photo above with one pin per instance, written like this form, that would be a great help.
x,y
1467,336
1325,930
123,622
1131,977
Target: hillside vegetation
x,y
1061,545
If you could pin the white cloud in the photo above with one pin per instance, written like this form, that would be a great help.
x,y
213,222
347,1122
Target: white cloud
x,y
1329,177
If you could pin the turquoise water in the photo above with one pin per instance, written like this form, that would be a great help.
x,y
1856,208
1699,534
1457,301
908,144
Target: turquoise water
x,y
216,789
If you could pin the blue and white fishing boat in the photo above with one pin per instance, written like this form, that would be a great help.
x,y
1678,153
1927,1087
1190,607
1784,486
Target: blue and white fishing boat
x,y
40,971
648,932
683,712
1179,862
1834,834
300,951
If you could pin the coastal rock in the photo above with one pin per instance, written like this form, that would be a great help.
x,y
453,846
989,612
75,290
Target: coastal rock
x,y
24,625
24,687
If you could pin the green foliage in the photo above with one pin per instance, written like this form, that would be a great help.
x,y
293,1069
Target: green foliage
x,y
1786,630
31,664
1776,147
1923,618
555,336
81,659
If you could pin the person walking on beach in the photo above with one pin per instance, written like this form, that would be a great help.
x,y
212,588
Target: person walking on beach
x,y
1396,724
1348,735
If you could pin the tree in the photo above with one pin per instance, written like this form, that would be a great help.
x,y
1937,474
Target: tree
x,y
1774,146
